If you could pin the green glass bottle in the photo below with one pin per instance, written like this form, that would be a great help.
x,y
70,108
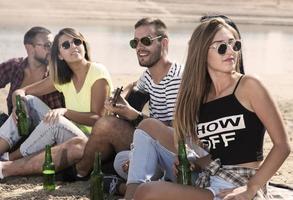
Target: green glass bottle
x,y
184,173
22,121
97,185
48,171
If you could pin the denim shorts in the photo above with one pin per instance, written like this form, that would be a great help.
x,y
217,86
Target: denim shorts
x,y
217,184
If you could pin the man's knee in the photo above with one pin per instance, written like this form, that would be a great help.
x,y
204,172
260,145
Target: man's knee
x,y
103,124
76,146
109,126
31,100
30,97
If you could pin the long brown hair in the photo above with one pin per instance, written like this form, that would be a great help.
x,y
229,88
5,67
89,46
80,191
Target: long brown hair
x,y
59,69
196,81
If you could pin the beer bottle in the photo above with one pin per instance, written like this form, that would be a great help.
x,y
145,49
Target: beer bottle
x,y
96,181
48,171
22,121
184,173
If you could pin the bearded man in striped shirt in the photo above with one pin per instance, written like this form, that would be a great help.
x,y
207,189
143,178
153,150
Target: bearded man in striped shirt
x,y
160,80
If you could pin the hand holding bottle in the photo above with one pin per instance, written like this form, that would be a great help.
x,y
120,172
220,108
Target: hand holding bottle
x,y
22,119
183,167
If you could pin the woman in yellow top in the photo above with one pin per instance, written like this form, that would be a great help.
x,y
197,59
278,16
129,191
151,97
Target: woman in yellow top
x,y
85,86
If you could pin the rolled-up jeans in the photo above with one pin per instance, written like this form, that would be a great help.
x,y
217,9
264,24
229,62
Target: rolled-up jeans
x,y
44,133
148,155
124,156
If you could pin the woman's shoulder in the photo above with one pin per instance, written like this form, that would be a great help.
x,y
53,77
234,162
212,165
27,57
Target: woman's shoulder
x,y
251,82
98,71
95,66
250,90
252,87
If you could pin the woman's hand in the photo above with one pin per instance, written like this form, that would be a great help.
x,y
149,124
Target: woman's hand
x,y
238,193
53,115
192,167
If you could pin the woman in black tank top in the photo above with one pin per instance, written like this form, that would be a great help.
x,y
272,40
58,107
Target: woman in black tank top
x,y
217,108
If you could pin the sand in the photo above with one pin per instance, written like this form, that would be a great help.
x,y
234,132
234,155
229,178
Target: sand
x,y
88,12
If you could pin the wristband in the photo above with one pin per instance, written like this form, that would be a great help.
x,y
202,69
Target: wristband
x,y
136,121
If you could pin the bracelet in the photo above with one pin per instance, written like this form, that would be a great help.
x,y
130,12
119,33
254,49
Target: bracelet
x,y
136,121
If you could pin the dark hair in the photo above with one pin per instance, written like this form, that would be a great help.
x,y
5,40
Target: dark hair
x,y
231,23
33,32
60,69
160,26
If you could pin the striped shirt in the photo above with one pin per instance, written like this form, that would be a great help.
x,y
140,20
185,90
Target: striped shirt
x,y
163,95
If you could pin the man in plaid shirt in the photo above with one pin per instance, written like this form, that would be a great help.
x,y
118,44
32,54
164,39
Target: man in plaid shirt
x,y
20,72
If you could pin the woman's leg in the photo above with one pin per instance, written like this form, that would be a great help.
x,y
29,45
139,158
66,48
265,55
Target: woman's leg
x,y
170,191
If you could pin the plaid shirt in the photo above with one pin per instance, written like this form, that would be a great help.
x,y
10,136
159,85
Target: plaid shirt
x,y
238,176
12,71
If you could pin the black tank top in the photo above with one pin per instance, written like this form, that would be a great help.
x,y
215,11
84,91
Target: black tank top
x,y
233,133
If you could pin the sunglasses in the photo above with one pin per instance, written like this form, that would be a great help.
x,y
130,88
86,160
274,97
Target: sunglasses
x,y
146,41
223,46
67,44
45,46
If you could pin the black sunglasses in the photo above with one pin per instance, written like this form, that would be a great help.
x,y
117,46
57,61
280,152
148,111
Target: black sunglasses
x,y
223,46
67,44
146,41
45,46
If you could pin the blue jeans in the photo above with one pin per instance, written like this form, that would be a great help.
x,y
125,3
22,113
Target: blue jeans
x,y
148,155
44,133
36,110
122,157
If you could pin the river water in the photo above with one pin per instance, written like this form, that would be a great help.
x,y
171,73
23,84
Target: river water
x,y
267,50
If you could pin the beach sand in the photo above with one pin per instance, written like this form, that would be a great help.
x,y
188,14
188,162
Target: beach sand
x,y
67,12
31,187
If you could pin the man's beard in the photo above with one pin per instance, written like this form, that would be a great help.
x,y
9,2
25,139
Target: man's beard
x,y
43,61
155,57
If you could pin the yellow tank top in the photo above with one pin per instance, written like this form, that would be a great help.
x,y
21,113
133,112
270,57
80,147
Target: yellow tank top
x,y
81,101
